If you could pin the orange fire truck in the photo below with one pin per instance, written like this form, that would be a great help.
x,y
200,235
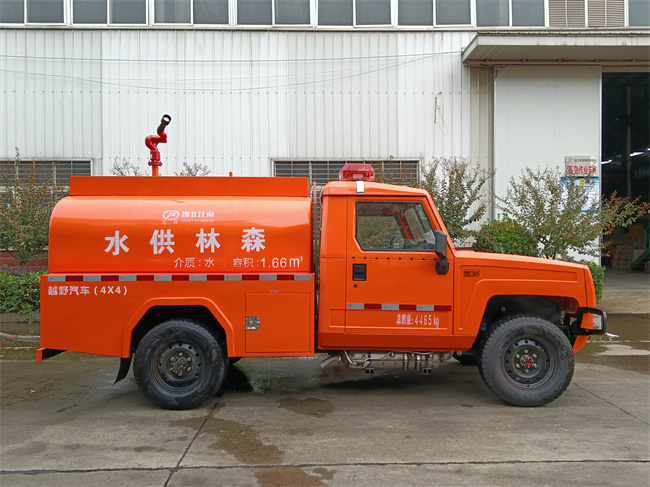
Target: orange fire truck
x,y
186,275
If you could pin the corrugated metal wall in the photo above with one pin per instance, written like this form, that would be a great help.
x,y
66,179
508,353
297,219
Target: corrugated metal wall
x,y
237,98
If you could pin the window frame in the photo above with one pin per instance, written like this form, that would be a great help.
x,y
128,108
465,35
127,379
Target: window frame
x,y
472,17
18,23
355,25
314,21
171,24
83,166
66,15
392,12
407,225
406,164
253,26
147,21
311,4
108,16
415,27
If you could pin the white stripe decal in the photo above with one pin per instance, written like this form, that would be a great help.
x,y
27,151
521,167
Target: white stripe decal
x,y
425,307
390,307
169,277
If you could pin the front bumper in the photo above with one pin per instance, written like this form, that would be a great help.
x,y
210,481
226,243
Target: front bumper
x,y
576,329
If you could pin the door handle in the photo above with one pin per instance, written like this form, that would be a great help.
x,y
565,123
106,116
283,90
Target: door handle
x,y
358,272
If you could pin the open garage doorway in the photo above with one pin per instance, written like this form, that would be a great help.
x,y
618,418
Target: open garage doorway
x,y
626,159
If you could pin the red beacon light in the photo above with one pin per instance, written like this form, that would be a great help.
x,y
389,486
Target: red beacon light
x,y
357,172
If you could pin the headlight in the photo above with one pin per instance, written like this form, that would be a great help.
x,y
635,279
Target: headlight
x,y
598,322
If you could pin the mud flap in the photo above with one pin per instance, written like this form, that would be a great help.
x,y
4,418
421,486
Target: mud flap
x,y
125,365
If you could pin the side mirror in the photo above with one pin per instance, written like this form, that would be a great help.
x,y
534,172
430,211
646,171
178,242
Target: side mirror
x,y
441,244
442,267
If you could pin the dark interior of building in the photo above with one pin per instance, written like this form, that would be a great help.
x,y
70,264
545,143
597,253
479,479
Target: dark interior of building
x,y
626,160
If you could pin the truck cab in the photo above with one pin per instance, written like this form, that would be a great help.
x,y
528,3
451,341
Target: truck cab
x,y
411,299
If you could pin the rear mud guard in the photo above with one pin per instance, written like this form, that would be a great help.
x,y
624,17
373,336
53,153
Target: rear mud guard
x,y
125,365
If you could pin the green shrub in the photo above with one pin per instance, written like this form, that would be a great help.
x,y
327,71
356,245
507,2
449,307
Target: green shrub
x,y
458,188
20,293
560,215
27,198
598,275
505,237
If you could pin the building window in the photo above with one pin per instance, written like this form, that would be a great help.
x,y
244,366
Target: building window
x,y
211,12
12,12
373,12
89,12
453,12
172,11
528,13
606,13
639,13
405,172
57,172
128,11
415,12
492,13
335,12
292,12
254,12
566,13
45,11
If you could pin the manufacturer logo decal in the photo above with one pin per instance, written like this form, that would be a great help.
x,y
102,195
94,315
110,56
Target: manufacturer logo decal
x,y
170,215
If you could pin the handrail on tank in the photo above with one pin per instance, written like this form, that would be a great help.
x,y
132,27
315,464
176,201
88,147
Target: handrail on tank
x,y
152,142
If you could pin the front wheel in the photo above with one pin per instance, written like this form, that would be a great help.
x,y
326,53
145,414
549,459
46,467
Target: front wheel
x,y
527,361
179,364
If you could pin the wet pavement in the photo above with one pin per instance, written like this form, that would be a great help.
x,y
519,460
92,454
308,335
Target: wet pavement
x,y
629,349
289,422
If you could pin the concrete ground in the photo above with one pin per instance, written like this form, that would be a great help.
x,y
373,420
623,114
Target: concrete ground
x,y
289,422
625,292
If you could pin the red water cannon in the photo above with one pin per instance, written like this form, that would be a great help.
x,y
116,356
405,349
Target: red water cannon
x,y
152,142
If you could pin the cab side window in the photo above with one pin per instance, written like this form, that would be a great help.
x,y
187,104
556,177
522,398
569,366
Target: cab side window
x,y
393,225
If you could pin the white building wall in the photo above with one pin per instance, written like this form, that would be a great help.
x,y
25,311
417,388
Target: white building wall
x,y
541,115
238,99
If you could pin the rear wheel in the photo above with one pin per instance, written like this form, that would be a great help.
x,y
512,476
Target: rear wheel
x,y
179,364
527,361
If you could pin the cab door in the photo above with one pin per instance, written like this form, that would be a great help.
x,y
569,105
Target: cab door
x,y
393,290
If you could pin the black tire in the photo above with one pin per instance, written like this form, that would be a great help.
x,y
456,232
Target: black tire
x,y
527,361
466,358
179,364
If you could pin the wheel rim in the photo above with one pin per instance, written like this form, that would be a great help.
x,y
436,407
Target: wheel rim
x,y
178,367
528,362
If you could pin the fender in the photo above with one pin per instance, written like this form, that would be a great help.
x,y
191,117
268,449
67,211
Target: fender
x,y
489,288
210,305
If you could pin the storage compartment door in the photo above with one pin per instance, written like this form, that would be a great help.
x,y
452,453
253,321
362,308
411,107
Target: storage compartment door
x,y
279,324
